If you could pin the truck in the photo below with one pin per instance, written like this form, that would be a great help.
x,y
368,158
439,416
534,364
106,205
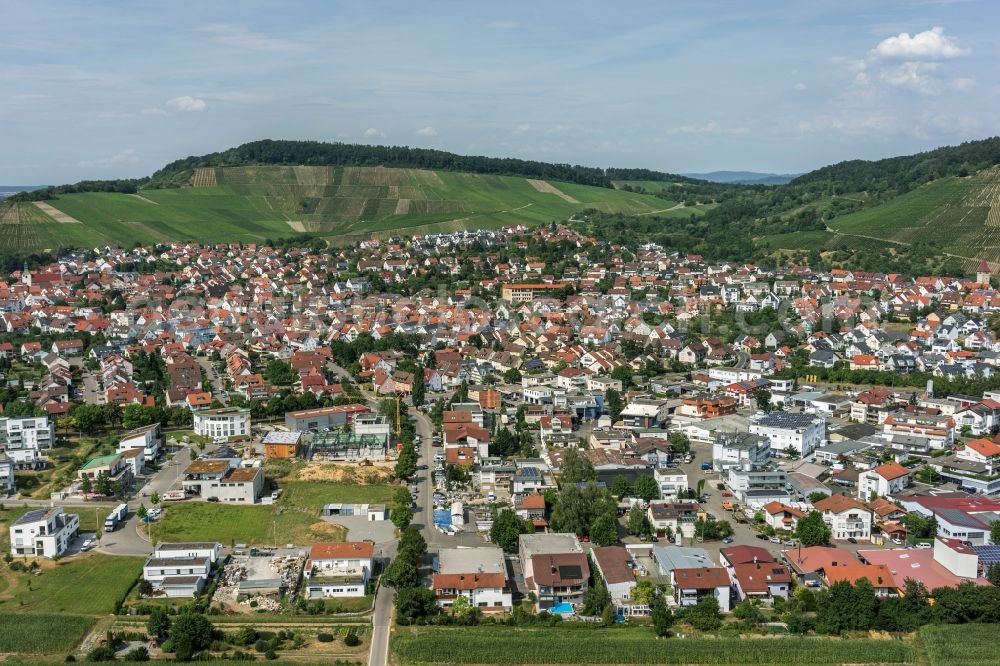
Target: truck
x,y
117,515
174,496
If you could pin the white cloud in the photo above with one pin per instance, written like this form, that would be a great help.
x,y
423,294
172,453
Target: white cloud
x,y
371,133
711,127
153,111
913,75
236,36
930,44
236,97
522,128
427,131
127,156
800,87
187,103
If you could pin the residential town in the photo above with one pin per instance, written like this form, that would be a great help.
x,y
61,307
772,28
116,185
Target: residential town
x,y
552,426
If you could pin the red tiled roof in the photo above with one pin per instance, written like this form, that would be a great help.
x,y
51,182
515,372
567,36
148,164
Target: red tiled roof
x,y
340,551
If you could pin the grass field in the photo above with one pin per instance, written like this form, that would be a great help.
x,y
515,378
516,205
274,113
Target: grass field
x,y
261,525
312,495
43,634
90,584
253,203
583,645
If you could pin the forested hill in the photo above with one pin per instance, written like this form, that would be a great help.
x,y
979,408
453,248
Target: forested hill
x,y
315,153
893,176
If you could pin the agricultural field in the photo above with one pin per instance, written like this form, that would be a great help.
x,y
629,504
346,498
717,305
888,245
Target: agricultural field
x,y
41,634
228,524
967,644
255,203
822,241
90,584
961,215
585,645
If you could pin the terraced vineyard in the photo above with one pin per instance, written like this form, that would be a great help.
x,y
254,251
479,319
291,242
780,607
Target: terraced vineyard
x,y
255,203
962,215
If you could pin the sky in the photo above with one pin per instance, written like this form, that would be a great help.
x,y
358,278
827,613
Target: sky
x,y
119,88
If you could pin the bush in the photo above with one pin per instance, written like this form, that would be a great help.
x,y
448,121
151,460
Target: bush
x,y
324,638
352,640
270,655
70,659
138,654
102,653
262,646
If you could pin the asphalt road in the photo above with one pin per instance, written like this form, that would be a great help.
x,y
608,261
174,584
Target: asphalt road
x,y
378,655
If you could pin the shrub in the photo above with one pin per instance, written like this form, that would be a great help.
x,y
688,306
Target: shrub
x,y
262,646
351,640
324,637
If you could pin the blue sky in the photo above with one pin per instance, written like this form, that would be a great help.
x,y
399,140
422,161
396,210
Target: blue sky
x,y
109,89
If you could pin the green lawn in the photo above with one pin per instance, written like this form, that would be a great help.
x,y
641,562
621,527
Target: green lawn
x,y
44,634
629,645
229,524
312,495
89,584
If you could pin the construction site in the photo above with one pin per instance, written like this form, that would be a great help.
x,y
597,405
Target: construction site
x,y
260,579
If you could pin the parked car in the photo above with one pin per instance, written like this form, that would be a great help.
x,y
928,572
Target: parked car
x,y
762,537
774,540
727,494
851,540
923,545
87,545
727,540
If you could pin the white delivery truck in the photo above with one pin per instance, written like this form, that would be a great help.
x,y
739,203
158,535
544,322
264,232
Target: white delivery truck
x,y
117,516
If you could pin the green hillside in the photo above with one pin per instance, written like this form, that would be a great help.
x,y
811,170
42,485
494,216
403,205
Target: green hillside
x,y
959,215
254,203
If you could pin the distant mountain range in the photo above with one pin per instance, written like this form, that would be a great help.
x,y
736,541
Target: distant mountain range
x,y
745,177
8,190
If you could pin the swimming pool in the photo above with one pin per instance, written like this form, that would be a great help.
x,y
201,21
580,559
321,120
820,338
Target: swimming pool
x,y
562,609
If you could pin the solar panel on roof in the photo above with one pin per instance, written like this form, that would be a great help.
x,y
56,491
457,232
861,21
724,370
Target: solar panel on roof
x,y
988,555
570,571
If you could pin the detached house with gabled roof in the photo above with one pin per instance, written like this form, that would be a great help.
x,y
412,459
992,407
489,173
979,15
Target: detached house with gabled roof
x,y
882,480
846,517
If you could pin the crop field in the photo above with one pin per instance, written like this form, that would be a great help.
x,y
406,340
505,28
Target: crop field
x,y
967,644
41,634
228,524
558,645
962,215
254,203
89,584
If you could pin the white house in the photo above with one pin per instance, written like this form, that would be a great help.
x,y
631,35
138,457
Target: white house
x,y
7,481
846,517
478,574
737,449
222,423
612,563
339,569
223,480
671,482
181,569
43,532
690,585
798,431
882,480
147,437
31,432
